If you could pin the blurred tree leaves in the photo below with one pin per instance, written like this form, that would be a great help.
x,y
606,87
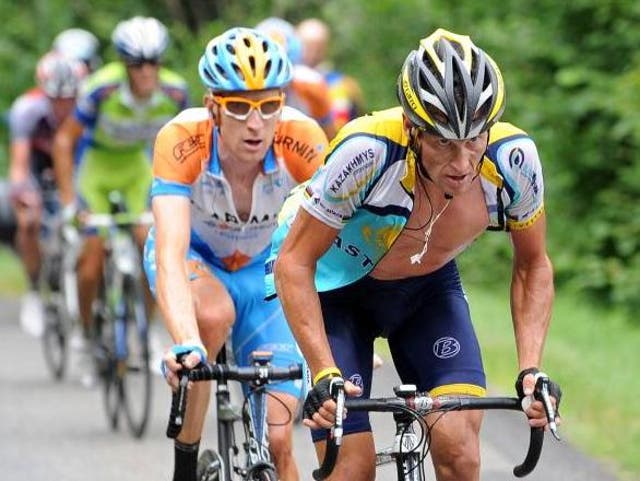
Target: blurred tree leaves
x,y
572,71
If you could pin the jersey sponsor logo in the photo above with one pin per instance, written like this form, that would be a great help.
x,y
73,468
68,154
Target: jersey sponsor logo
x,y
230,218
353,250
184,149
132,130
361,161
517,159
357,380
446,347
303,149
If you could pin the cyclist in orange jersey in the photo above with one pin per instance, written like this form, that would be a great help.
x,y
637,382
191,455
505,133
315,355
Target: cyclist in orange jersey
x,y
347,101
221,175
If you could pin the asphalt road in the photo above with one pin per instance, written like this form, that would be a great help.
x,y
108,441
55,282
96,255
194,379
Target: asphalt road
x,y
58,431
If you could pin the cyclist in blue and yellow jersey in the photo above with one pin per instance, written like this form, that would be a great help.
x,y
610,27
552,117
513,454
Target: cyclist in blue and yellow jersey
x,y
222,173
371,252
119,111
347,101
308,91
33,120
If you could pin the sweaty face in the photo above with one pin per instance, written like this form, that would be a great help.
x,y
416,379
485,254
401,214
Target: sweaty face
x,y
246,140
452,164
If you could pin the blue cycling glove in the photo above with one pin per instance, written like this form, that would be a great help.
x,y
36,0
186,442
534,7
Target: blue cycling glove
x,y
180,350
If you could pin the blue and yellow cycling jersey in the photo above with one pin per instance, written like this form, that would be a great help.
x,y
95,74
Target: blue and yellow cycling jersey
x,y
366,191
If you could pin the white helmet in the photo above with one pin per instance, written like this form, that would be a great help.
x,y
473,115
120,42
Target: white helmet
x,y
60,76
140,38
79,44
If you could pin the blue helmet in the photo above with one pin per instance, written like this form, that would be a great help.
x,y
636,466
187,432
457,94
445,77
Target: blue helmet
x,y
285,34
244,59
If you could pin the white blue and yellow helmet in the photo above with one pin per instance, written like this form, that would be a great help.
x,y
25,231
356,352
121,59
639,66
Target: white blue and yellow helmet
x,y
243,59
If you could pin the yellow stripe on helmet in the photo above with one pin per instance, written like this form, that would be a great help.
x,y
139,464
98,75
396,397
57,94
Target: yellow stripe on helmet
x,y
254,77
413,100
428,43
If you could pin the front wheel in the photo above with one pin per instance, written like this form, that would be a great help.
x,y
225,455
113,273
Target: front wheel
x,y
54,341
135,373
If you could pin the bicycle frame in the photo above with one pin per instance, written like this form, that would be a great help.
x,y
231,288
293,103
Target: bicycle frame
x,y
122,300
254,415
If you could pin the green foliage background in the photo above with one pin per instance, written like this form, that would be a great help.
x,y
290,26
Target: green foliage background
x,y
572,71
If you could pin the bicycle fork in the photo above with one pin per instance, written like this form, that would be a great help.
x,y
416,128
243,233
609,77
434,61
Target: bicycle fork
x,y
226,416
406,449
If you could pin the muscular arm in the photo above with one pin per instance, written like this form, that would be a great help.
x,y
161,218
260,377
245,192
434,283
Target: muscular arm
x,y
532,292
294,272
64,145
172,221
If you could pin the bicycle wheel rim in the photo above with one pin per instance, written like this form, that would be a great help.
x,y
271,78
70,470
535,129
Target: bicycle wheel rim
x,y
54,343
136,371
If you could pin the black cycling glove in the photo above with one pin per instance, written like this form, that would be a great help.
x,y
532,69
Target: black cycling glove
x,y
322,391
554,388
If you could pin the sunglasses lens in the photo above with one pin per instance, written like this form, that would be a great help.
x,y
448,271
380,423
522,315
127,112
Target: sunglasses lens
x,y
270,107
238,107
139,63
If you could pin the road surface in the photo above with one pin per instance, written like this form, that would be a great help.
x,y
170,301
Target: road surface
x,y
58,431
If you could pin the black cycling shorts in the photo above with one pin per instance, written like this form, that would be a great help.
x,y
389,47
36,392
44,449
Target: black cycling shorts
x,y
428,326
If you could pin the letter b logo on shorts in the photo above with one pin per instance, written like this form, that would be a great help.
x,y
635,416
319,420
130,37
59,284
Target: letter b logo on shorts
x,y
446,347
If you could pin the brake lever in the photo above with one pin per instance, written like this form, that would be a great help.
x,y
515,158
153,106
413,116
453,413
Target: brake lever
x,y
541,393
337,390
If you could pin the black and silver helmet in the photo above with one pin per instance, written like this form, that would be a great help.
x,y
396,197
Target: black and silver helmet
x,y
450,87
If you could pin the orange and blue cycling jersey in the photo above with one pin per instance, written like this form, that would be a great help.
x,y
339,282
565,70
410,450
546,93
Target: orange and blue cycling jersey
x,y
309,93
186,163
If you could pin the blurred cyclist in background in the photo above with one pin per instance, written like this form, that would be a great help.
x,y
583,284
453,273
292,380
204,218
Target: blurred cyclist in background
x,y
119,110
346,96
33,120
79,44
308,91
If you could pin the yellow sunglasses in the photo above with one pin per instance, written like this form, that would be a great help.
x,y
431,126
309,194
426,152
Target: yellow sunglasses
x,y
240,108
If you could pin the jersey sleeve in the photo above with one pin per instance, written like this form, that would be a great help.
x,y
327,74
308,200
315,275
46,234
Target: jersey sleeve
x,y
522,172
338,188
23,116
179,155
303,146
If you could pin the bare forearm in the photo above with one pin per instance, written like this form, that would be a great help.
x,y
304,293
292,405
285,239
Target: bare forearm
x,y
176,303
532,294
297,292
19,168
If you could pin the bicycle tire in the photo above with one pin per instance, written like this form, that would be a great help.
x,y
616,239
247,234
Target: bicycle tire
x,y
54,342
136,376
210,466
103,353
